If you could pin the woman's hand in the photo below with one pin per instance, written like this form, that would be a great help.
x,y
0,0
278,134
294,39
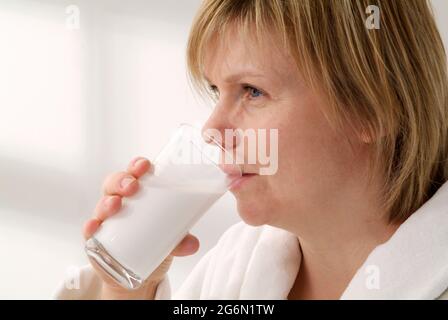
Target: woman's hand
x,y
116,186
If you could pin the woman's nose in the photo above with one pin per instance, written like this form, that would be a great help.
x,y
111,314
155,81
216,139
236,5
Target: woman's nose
x,y
218,129
216,126
213,134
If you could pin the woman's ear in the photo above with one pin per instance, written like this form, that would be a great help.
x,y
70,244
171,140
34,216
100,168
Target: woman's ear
x,y
369,136
366,137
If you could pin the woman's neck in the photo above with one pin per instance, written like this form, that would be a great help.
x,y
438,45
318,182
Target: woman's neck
x,y
325,272
336,240
331,257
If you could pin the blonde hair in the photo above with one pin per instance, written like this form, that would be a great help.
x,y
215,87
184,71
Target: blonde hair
x,y
391,82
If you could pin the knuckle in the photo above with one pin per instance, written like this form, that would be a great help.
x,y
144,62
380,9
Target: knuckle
x,y
112,180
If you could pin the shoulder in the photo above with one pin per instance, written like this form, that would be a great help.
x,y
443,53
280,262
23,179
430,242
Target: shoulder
x,y
218,273
81,284
237,242
238,260
444,295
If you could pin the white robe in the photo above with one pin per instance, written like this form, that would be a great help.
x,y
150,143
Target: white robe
x,y
262,263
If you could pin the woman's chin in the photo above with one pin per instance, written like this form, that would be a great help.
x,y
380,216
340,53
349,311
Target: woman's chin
x,y
253,214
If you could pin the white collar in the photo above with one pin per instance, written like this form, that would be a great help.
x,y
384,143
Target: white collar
x,y
412,264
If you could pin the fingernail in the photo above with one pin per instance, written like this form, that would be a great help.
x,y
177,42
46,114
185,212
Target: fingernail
x,y
126,181
139,162
189,245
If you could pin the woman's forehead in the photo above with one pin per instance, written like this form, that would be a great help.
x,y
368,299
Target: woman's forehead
x,y
237,55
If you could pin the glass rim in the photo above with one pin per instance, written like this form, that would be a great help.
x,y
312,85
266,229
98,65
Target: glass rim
x,y
233,170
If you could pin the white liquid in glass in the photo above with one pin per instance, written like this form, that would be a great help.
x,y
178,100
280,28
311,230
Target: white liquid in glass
x,y
154,220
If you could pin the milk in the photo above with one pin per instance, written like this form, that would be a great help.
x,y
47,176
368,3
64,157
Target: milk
x,y
153,221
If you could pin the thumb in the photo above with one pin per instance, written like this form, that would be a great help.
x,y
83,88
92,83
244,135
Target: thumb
x,y
188,246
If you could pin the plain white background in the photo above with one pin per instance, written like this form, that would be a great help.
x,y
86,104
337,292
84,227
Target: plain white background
x,y
79,104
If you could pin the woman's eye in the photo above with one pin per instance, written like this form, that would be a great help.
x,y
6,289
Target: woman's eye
x,y
253,92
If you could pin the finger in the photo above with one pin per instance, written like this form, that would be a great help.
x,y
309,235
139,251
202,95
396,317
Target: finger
x,y
138,167
90,227
121,184
107,206
188,246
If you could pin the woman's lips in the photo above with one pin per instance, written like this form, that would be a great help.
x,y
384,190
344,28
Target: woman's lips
x,y
235,175
231,169
238,181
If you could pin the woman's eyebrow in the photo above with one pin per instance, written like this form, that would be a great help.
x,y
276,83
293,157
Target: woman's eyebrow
x,y
237,76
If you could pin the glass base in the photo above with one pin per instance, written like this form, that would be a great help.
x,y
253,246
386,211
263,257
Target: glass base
x,y
124,277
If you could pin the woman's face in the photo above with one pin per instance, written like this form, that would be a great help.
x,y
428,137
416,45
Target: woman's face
x,y
258,87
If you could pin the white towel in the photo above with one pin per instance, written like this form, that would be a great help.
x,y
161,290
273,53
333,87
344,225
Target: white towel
x,y
413,264
262,263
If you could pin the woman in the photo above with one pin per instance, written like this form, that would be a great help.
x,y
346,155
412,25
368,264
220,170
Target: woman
x,y
358,207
